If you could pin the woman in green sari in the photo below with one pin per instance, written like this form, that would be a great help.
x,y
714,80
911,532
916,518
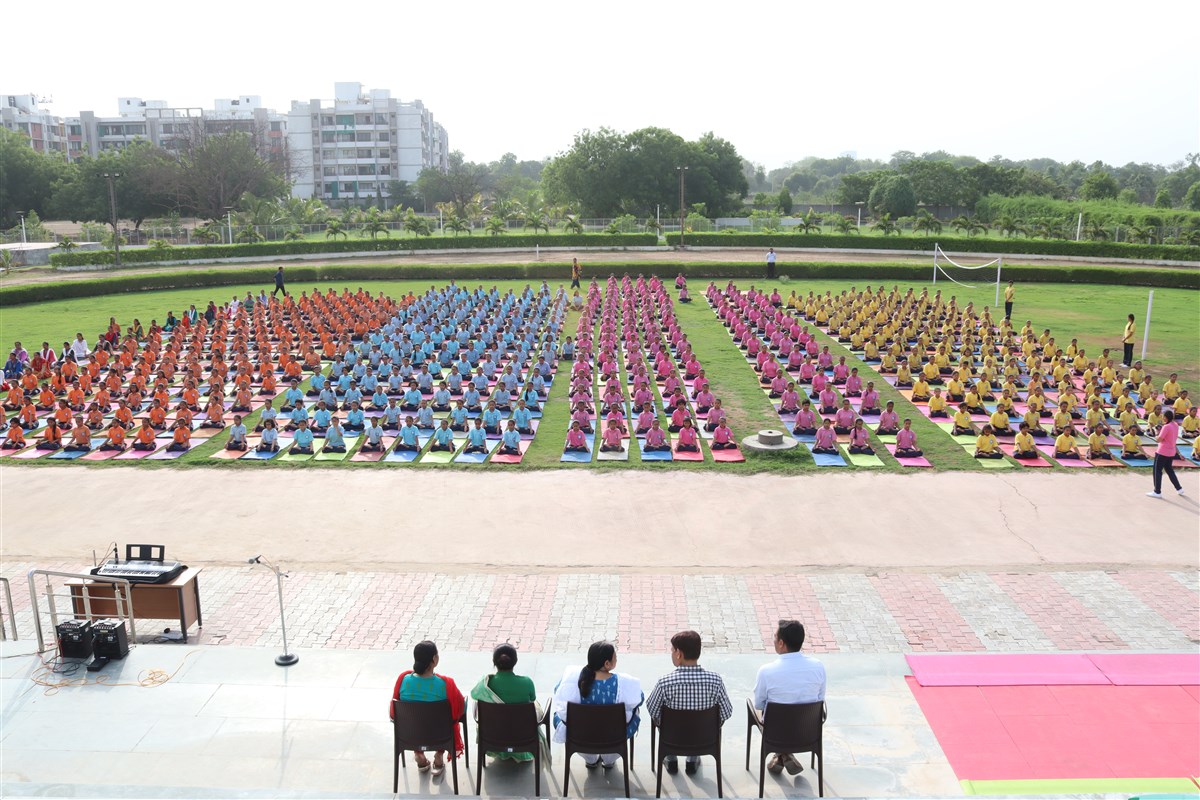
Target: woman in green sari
x,y
505,686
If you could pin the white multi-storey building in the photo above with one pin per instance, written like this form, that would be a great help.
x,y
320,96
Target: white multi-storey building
x,y
355,145
21,113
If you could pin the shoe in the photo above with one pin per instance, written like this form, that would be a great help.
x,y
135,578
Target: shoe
x,y
592,764
691,767
673,766
1179,491
775,765
607,764
792,766
1155,495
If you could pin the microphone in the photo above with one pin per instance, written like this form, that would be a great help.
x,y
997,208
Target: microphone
x,y
254,560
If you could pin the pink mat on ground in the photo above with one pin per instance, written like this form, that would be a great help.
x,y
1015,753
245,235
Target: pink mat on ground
x,y
133,455
1149,669
1009,449
1004,669
510,459
727,456
907,462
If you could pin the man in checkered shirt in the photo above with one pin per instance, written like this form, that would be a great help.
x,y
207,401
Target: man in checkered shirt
x,y
689,688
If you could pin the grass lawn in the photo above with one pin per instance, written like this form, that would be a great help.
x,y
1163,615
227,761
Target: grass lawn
x,y
1093,314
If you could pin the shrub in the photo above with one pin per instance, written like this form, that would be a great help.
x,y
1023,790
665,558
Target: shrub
x,y
925,243
198,252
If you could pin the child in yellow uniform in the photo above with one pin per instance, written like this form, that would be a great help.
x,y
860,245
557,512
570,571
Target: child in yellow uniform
x,y
986,445
1129,422
962,422
937,404
1062,419
1023,445
1094,418
1154,420
954,390
1131,447
1190,425
999,423
1031,422
1181,404
1171,388
1098,443
1064,445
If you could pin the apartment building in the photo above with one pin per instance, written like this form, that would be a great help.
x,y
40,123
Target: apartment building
x,y
353,146
21,113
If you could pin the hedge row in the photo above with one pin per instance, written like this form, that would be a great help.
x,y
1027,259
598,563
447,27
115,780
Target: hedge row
x,y
385,245
299,276
1049,247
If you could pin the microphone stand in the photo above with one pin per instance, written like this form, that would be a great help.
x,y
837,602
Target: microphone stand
x,y
287,658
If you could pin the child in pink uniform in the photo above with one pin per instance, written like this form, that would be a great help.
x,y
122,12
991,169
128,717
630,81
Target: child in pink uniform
x,y
889,422
843,420
826,439
645,418
859,443
789,399
656,439
612,438
806,420
715,416
870,399
678,417
723,438
576,439
828,401
906,442
853,384
687,437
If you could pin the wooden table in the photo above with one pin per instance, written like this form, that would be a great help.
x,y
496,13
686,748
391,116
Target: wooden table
x,y
179,599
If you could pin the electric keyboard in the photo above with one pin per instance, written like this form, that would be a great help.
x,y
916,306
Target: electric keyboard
x,y
140,571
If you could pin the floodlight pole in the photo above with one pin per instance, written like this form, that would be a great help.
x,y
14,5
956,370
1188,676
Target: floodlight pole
x,y
1146,332
682,209
112,205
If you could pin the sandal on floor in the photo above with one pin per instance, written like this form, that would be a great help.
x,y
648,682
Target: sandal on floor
x,y
423,766
439,767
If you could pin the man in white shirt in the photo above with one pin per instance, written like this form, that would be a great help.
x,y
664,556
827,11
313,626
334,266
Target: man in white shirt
x,y
791,678
771,263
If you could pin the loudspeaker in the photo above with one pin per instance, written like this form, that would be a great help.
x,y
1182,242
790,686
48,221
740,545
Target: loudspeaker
x,y
75,639
110,639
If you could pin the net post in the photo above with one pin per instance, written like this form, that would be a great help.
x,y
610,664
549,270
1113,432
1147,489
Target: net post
x,y
999,266
936,249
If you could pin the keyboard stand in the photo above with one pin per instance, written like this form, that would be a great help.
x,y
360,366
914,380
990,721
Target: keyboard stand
x,y
177,600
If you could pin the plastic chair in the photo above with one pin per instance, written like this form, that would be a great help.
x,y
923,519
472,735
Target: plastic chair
x,y
788,728
424,726
506,728
596,729
686,733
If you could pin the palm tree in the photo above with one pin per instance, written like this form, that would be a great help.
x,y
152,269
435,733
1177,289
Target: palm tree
x,y
845,225
1011,226
293,234
976,225
206,233
809,223
457,224
249,235
67,243
572,224
1049,229
653,224
926,223
538,220
961,223
374,224
886,225
1145,234
335,228
495,226
1095,231
418,226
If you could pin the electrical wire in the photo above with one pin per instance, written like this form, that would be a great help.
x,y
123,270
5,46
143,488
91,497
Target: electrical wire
x,y
56,665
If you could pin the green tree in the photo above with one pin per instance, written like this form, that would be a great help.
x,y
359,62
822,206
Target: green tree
x,y
1191,199
894,196
927,223
572,224
216,170
935,183
845,225
1099,185
857,187
293,234
886,225
961,223
417,225
27,177
374,224
1011,226
784,203
459,184
537,219
1162,199
809,223
457,224
334,228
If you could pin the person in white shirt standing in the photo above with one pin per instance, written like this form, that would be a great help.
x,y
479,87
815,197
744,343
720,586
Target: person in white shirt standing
x,y
791,678
771,262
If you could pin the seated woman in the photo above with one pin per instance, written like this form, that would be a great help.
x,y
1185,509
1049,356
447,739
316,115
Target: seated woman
x,y
826,439
828,401
476,438
853,384
237,434
844,419
962,422
597,683
859,444
81,437
269,443
1098,443
510,440
422,684
505,686
889,421
576,439
302,439
611,440
181,437
870,400
656,439
335,437
1064,444
986,445
906,442
686,441
723,438
407,439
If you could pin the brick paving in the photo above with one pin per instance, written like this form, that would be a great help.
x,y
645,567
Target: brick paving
x,y
855,612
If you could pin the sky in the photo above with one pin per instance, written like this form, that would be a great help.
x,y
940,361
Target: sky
x,y
780,80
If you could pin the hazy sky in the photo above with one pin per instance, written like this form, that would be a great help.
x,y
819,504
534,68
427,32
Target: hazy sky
x,y
781,80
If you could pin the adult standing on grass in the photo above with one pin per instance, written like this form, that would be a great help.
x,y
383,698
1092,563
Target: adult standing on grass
x,y
576,273
1009,294
279,283
1127,343
770,262
1168,434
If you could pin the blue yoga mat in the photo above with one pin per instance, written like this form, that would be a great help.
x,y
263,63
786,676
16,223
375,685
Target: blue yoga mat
x,y
827,460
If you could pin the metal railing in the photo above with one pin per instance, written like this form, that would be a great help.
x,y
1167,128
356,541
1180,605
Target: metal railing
x,y
7,613
121,599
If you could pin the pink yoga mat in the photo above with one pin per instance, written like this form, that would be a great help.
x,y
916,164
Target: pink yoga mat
x,y
1048,451
727,456
101,455
907,462
1149,669
134,455
1005,669
1009,449
26,455
508,459
377,455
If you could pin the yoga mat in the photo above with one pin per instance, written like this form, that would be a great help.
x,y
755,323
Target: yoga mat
x,y
1009,449
134,455
102,455
442,456
11,453
827,459
1149,669
1048,451
677,455
377,455
323,456
1130,462
463,457
1133,787
862,460
727,456
230,455
163,454
664,455
1005,669
986,463
533,423
291,456
406,456
601,455
254,455
886,438
1106,462
907,462
499,458
68,455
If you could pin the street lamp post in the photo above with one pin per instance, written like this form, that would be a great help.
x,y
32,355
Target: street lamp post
x,y
111,177
24,241
860,205
682,208
229,222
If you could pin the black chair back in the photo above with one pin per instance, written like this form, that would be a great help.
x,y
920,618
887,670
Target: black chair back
x,y
687,733
508,728
422,726
793,727
596,729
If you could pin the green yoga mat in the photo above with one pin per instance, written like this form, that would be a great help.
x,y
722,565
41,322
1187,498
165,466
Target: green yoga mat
x,y
861,460
987,463
323,456
442,456
1078,786
290,456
